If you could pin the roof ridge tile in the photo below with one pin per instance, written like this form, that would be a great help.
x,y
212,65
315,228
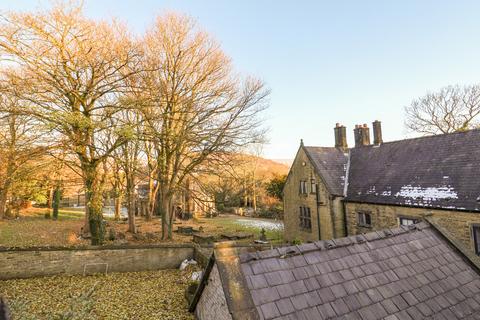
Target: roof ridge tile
x,y
323,245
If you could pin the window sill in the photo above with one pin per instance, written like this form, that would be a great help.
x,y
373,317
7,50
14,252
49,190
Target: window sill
x,y
364,226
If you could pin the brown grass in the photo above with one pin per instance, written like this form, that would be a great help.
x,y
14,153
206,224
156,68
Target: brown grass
x,y
32,229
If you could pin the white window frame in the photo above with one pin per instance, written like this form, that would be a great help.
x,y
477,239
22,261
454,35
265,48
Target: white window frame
x,y
408,220
303,187
362,219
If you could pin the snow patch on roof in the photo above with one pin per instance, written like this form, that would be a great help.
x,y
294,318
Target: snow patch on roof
x,y
427,194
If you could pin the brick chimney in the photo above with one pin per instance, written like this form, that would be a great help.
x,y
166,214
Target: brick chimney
x,y
340,136
377,133
362,135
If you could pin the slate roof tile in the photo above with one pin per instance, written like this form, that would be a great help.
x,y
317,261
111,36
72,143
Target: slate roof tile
x,y
338,291
339,306
311,313
285,290
312,284
326,311
258,281
394,280
326,294
331,164
430,171
270,310
311,298
285,306
389,306
299,302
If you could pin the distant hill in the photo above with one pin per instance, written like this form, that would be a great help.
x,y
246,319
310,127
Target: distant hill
x,y
270,168
287,162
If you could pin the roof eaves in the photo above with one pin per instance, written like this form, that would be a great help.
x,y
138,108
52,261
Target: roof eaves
x,y
348,199
202,284
347,172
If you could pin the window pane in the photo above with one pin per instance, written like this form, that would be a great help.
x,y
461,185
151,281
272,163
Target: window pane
x,y
368,219
476,239
407,221
361,219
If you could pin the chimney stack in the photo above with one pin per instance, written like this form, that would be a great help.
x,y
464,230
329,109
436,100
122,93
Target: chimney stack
x,y
340,136
362,135
377,133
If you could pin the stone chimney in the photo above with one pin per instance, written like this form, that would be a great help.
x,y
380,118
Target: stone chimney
x,y
377,133
362,135
340,136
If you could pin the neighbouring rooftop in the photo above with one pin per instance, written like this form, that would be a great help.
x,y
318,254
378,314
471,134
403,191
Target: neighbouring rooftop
x,y
411,272
440,171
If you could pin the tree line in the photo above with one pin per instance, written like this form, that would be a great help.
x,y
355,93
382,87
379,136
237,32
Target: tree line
x,y
88,95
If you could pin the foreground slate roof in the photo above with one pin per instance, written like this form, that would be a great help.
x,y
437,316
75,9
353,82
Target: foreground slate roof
x,y
441,171
404,273
331,164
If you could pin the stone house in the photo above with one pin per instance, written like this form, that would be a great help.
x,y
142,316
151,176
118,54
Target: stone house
x,y
332,192
191,201
408,272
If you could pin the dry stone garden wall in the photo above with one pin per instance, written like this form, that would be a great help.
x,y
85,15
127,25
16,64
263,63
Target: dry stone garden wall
x,y
39,262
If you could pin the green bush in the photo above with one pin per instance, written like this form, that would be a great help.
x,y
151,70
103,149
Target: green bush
x,y
296,241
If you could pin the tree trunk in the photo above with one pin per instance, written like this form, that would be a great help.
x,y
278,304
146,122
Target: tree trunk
x,y
56,202
50,197
151,199
166,212
131,203
94,204
3,202
118,206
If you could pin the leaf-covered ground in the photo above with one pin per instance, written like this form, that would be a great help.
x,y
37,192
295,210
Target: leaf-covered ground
x,y
32,229
134,295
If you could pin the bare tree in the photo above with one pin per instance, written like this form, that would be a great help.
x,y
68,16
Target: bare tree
x,y
127,157
19,156
451,109
198,111
75,68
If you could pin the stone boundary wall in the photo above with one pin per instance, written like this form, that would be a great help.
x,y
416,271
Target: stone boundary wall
x,y
38,262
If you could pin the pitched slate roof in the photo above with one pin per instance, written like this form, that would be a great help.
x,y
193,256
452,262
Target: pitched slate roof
x,y
331,164
404,273
439,171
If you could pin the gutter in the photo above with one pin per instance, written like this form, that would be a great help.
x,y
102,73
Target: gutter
x,y
345,190
318,212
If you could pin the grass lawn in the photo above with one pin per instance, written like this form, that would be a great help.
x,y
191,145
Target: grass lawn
x,y
233,223
32,229
133,295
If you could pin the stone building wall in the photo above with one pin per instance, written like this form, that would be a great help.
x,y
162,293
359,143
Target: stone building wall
x,y
458,223
212,303
27,263
330,211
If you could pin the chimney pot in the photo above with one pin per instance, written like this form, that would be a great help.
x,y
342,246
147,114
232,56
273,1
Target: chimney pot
x,y
362,135
340,137
377,132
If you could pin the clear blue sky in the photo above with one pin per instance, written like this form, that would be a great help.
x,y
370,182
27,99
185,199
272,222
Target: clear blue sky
x,y
326,62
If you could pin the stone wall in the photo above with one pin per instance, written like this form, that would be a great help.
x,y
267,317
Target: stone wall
x,y
212,303
27,263
458,223
330,211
